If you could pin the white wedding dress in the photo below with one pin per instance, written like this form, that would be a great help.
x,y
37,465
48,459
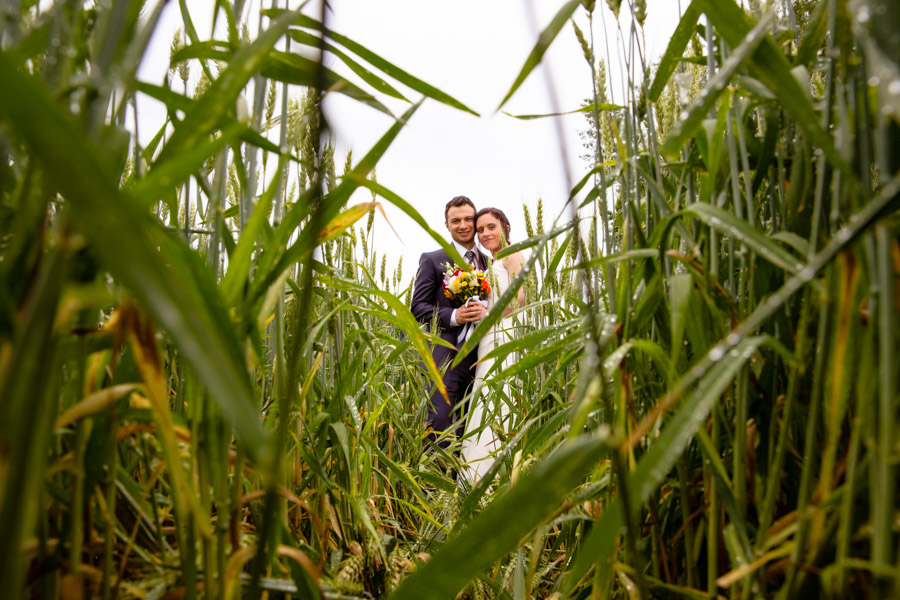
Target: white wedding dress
x,y
488,414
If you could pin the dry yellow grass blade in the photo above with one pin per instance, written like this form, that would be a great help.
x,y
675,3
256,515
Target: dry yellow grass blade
x,y
732,577
94,403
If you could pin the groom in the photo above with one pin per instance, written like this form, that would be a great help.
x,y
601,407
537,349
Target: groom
x,y
429,304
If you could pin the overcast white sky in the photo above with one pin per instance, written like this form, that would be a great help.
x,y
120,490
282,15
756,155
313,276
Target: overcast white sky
x,y
472,50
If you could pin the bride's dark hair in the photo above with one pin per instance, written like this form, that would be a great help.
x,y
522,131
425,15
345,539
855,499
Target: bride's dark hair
x,y
497,214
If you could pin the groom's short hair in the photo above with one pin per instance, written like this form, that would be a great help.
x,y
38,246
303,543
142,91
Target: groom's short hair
x,y
457,201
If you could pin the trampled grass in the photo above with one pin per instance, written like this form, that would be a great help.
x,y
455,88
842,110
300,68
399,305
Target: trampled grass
x,y
214,390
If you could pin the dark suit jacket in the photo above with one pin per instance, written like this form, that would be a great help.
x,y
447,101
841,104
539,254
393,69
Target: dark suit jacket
x,y
428,296
428,303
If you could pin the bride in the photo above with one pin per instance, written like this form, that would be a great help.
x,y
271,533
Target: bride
x,y
480,443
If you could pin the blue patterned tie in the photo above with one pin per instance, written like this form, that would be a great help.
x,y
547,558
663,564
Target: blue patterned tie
x,y
470,256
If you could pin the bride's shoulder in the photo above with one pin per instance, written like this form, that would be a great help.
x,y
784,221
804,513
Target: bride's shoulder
x,y
513,262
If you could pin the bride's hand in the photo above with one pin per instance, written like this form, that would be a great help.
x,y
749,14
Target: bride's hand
x,y
474,311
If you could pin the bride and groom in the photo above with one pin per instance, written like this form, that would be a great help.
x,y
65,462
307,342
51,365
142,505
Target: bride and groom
x,y
431,306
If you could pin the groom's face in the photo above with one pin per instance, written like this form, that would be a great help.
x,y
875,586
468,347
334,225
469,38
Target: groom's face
x,y
461,224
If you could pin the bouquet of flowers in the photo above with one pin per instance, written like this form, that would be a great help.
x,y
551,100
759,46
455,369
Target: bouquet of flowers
x,y
462,284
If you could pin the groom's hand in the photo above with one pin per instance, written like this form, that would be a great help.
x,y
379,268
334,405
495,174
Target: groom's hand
x,y
471,313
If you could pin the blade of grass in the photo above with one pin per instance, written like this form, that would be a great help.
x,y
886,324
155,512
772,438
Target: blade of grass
x,y
280,258
372,79
401,317
544,40
498,529
584,109
739,230
215,103
661,457
699,109
239,260
773,69
28,383
299,70
674,50
157,268
387,67
175,101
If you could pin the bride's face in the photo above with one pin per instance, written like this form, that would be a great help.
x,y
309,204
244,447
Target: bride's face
x,y
490,232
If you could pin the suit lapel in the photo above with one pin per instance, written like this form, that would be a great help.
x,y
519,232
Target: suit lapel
x,y
484,260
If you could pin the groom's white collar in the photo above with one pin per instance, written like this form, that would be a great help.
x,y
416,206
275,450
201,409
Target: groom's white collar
x,y
462,249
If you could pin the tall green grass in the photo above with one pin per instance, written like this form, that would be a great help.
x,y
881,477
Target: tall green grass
x,y
211,384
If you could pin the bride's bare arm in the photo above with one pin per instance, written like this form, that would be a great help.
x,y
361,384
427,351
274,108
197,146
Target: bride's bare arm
x,y
514,266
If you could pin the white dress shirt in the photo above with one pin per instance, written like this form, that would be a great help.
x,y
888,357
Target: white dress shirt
x,y
462,252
